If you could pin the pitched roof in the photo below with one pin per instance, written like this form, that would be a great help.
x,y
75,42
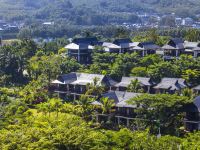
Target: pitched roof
x,y
177,40
111,45
80,78
84,79
174,43
146,46
196,49
149,45
121,41
125,82
134,44
67,78
193,106
110,81
121,98
75,46
196,88
188,45
171,84
88,40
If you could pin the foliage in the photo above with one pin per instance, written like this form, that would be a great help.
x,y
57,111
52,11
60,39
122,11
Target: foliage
x,y
107,105
35,92
134,86
139,72
50,66
165,108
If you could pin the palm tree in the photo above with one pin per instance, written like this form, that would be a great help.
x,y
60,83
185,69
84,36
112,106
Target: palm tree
x,y
134,86
188,93
107,105
55,105
95,88
85,103
43,107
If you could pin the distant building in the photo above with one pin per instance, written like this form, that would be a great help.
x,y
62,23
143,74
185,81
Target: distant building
x,y
187,21
192,117
145,83
81,49
72,85
173,49
178,21
48,23
196,89
171,85
110,47
192,48
1,42
122,108
124,44
145,48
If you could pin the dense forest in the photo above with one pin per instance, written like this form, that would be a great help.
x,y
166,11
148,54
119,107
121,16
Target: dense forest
x,y
93,11
31,117
34,117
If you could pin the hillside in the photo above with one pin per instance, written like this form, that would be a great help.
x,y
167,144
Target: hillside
x,y
93,11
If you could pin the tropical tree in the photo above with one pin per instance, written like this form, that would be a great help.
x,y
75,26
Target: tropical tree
x,y
95,88
84,103
107,105
139,72
192,76
56,105
163,107
134,86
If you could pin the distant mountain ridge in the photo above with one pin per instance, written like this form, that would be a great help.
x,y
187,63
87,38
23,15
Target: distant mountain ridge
x,y
74,10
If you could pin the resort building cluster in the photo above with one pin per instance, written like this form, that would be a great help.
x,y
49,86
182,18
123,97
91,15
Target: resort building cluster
x,y
71,86
81,48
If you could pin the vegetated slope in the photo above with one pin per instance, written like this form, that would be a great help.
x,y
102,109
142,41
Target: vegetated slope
x,y
75,9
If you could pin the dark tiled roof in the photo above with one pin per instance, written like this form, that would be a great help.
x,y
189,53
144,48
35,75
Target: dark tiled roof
x,y
121,98
80,78
171,84
85,78
149,45
197,88
68,78
127,80
191,45
175,43
110,81
89,41
122,41
194,106
196,49
177,40
197,103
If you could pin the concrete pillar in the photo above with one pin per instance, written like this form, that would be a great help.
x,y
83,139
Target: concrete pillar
x,y
118,120
120,51
79,57
74,96
81,89
128,111
195,54
97,118
177,53
109,119
74,88
148,89
143,53
128,123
